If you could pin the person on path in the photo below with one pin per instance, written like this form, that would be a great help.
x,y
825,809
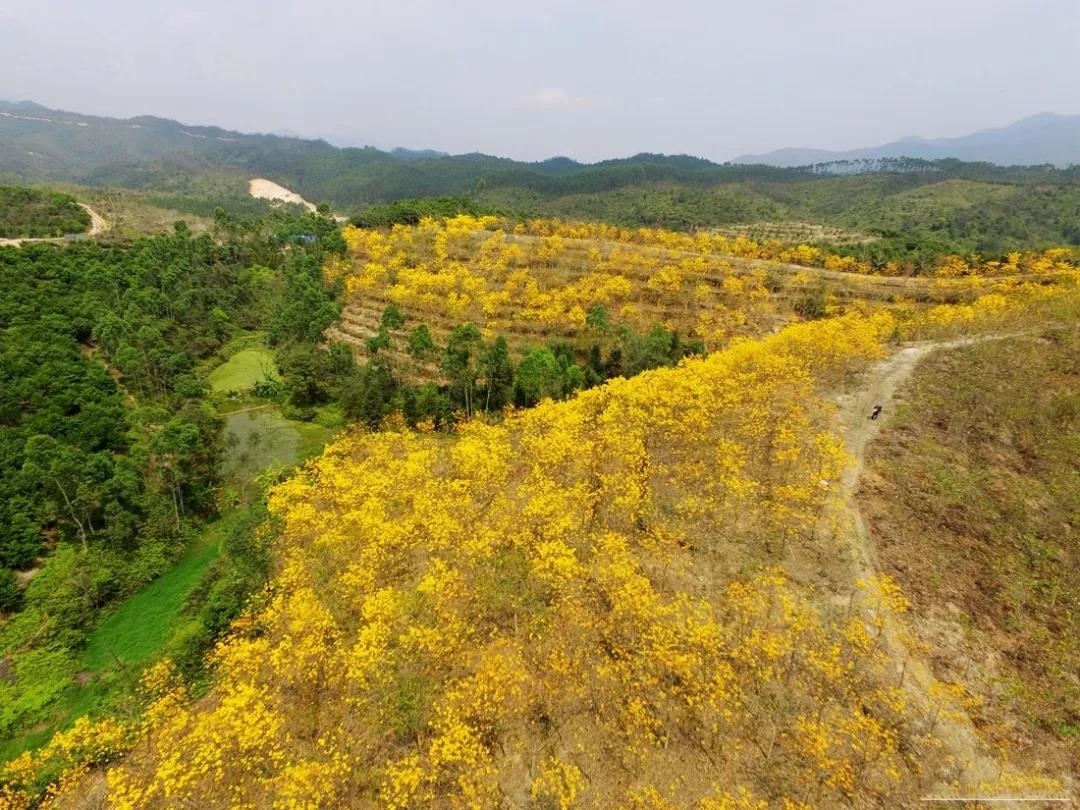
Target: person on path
x,y
876,412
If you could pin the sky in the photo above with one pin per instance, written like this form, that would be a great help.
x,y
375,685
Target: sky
x,y
589,80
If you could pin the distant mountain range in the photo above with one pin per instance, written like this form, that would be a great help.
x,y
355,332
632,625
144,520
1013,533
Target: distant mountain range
x,y
1040,139
41,145
195,169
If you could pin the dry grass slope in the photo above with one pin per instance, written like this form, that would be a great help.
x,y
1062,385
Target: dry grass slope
x,y
973,497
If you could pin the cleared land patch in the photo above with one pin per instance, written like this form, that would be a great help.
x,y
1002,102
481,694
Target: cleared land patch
x,y
263,189
244,369
795,232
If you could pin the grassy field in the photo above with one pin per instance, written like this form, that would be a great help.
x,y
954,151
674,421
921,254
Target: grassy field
x,y
131,214
244,369
137,630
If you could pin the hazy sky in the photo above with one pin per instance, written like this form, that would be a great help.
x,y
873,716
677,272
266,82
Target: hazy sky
x,y
531,80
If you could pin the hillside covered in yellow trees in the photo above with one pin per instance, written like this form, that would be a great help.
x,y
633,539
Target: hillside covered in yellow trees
x,y
658,593
544,278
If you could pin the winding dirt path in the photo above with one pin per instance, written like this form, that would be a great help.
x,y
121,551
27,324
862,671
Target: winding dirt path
x,y
98,225
857,429
966,769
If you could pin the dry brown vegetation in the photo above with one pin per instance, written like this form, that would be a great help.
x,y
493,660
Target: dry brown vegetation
x,y
972,496
130,215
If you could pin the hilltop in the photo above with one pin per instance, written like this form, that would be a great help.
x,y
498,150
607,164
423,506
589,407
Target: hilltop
x,y
651,595
39,143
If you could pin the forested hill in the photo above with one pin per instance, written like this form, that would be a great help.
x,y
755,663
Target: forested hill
x,y
934,207
38,144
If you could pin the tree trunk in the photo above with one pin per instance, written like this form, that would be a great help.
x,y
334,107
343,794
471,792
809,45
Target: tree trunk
x,y
71,511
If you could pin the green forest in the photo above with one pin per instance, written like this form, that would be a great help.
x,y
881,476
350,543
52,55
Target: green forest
x,y
112,443
37,213
906,205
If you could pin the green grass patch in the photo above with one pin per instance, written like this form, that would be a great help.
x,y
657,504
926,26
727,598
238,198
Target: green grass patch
x,y
244,369
128,639
312,437
135,631
243,340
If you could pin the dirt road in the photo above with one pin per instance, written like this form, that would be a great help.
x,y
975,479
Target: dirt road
x,y
98,225
965,768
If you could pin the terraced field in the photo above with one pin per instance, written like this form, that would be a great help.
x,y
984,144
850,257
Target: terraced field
x,y
531,289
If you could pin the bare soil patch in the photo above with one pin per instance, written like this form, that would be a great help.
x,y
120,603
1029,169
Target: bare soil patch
x,y
263,189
